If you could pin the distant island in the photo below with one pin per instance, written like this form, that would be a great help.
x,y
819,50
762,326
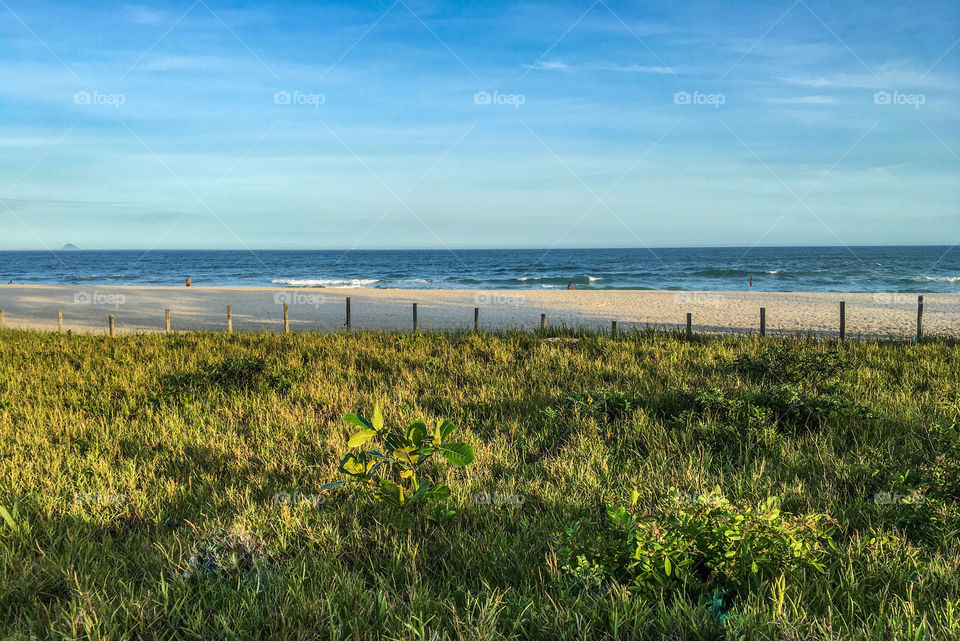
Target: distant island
x,y
69,247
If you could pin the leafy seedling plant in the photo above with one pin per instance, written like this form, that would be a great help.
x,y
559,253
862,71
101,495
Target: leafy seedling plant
x,y
394,462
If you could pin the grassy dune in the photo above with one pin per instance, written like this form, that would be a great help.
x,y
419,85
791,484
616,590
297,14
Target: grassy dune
x,y
168,486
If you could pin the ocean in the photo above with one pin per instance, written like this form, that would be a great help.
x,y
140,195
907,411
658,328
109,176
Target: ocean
x,y
828,269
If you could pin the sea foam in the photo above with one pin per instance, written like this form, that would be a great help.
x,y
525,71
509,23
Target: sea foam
x,y
325,282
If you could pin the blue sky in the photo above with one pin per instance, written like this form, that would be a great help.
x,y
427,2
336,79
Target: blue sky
x,y
479,124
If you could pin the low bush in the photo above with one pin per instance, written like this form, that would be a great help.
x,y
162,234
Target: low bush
x,y
694,543
397,465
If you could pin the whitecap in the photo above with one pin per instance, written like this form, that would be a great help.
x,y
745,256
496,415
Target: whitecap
x,y
325,282
935,279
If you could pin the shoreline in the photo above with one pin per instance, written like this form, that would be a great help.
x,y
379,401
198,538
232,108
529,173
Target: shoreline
x,y
141,309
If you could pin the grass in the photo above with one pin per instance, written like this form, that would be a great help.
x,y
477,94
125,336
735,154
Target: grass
x,y
166,486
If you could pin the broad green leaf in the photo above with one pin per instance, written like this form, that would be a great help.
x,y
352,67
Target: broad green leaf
x,y
361,437
438,492
666,565
394,441
356,465
391,493
457,453
332,486
421,491
444,430
417,432
405,454
358,420
406,474
377,419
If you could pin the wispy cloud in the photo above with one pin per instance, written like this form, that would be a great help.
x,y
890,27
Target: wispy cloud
x,y
188,63
556,65
883,78
803,100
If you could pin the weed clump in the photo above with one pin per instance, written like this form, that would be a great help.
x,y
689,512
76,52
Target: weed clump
x,y
703,544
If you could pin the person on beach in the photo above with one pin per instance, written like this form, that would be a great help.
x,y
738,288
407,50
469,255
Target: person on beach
x,y
10,283
570,285
189,282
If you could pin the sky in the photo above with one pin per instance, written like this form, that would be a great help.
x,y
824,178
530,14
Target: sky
x,y
408,124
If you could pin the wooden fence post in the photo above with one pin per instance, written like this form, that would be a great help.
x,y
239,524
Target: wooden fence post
x,y
919,317
347,324
229,319
110,323
166,315
59,320
543,321
286,318
476,318
763,321
613,329
843,320
414,317
689,324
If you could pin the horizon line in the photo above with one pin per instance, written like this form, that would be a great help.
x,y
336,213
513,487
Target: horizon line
x,y
455,249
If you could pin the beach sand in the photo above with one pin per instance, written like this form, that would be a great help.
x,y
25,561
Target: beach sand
x,y
141,309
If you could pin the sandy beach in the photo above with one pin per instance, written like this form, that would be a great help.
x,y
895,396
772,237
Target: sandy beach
x,y
142,309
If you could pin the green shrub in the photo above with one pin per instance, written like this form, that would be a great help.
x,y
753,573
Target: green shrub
x,y
792,363
702,543
398,466
791,406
